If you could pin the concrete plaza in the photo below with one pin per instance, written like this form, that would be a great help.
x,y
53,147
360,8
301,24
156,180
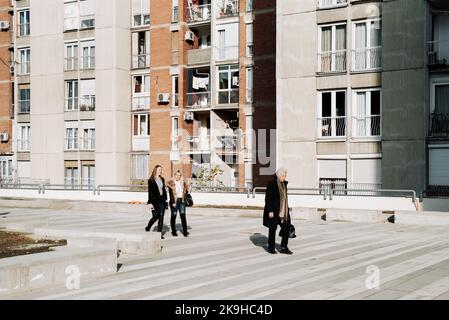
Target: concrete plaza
x,y
224,258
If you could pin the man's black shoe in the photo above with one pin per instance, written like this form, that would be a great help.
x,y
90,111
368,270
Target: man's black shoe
x,y
174,234
272,251
147,229
186,234
285,251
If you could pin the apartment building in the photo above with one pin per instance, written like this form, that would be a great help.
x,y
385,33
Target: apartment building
x,y
6,87
106,89
362,94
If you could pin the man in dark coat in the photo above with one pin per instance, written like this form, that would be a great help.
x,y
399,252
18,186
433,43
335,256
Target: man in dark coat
x,y
276,211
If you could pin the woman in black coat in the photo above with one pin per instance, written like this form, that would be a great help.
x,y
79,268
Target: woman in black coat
x,y
157,199
276,211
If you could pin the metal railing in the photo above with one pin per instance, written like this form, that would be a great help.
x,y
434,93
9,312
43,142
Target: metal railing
x,y
197,100
199,13
87,103
439,125
228,143
437,52
121,188
366,58
227,8
141,60
334,61
332,127
298,191
368,126
67,187
374,192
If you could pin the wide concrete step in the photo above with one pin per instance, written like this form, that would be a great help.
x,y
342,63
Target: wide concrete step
x,y
428,218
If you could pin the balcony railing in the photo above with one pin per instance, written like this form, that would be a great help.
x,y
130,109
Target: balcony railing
x,y
175,15
366,58
199,143
199,13
322,4
329,62
227,8
332,127
439,125
369,126
87,21
141,60
23,145
24,29
198,100
24,106
141,102
87,103
227,144
438,52
88,62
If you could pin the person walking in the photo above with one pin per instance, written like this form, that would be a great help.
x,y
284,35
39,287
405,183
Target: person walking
x,y
157,199
276,211
178,190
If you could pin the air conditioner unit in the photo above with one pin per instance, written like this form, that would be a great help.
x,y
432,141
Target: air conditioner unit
x,y
4,25
189,36
4,137
11,69
163,98
188,116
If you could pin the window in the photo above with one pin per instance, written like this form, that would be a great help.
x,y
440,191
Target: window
x,y
24,100
332,114
71,56
141,13
175,11
87,14
141,49
23,143
71,95
140,166
249,5
141,125
71,136
24,61
88,175
71,16
228,90
366,54
249,84
71,176
249,40
439,109
79,15
141,92
222,44
88,54
175,133
88,139
175,90
367,114
24,23
6,169
228,42
322,4
87,97
332,51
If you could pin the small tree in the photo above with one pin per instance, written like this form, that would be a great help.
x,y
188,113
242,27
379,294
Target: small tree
x,y
208,177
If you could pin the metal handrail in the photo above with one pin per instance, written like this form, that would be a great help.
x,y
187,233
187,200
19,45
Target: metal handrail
x,y
218,188
33,186
128,186
320,190
411,192
67,187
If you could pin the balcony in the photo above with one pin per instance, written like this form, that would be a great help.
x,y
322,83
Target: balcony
x,y
227,8
438,53
198,100
366,59
332,127
198,144
199,13
325,4
87,103
141,61
439,125
198,56
141,102
332,62
369,126
227,144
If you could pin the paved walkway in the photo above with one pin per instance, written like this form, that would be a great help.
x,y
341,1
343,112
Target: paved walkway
x,y
224,259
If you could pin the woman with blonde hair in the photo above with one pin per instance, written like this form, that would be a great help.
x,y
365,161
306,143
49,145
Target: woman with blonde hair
x,y
178,190
157,199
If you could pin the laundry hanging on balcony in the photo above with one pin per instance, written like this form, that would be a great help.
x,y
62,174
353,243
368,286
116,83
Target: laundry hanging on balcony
x,y
200,83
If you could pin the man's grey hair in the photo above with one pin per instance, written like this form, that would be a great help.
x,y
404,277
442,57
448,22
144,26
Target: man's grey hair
x,y
281,171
